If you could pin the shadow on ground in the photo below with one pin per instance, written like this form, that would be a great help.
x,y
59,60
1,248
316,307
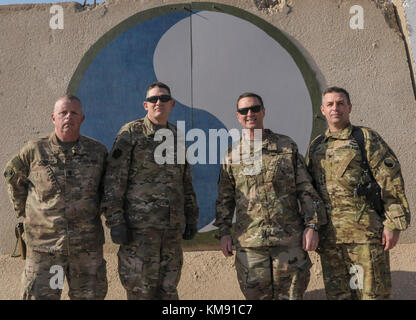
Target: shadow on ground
x,y
315,295
404,285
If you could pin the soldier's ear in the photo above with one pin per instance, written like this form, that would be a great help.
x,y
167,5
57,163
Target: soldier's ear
x,y
145,105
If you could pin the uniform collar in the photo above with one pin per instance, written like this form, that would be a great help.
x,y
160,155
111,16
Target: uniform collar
x,y
268,141
343,134
78,148
151,128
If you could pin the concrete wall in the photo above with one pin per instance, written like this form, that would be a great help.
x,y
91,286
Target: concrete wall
x,y
37,64
406,14
410,9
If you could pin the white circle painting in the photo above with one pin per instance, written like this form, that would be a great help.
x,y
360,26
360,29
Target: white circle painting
x,y
208,59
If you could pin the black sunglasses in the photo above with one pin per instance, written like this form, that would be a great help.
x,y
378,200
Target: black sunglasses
x,y
162,98
254,109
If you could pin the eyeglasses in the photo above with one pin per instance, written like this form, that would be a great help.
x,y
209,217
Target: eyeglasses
x,y
162,98
254,109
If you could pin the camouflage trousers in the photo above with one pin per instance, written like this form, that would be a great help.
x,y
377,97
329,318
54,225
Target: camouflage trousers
x,y
355,271
44,275
150,266
279,273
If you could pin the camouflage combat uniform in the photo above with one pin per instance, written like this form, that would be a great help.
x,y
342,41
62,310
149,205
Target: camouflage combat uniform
x,y
54,186
155,201
270,261
354,231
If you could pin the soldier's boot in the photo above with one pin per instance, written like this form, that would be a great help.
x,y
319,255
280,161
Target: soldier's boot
x,y
162,294
139,294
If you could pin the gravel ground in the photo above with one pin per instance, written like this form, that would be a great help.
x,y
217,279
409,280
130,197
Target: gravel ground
x,y
208,275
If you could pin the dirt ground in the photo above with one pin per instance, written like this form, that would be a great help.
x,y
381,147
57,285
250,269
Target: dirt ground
x,y
208,275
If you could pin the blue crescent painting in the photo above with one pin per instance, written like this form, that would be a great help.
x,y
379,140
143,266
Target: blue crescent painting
x,y
195,54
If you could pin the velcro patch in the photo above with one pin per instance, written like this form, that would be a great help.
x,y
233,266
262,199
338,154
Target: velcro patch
x,y
117,153
9,173
389,163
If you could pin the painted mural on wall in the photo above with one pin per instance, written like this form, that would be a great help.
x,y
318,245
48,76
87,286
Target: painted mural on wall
x,y
208,58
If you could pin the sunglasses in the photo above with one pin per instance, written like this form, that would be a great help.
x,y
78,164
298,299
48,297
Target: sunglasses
x,y
162,98
253,109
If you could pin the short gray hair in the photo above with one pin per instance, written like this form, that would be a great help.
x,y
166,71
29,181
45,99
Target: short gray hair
x,y
337,90
69,97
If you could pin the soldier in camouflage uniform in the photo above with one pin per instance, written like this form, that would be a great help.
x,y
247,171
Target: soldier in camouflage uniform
x,y
272,233
354,245
147,203
54,186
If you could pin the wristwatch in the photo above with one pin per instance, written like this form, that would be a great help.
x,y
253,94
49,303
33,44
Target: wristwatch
x,y
313,226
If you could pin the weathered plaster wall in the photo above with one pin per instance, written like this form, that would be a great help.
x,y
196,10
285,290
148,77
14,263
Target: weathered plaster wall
x,y
37,63
410,9
406,13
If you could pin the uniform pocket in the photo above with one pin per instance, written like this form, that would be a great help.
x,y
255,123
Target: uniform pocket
x,y
242,274
397,215
347,169
130,267
244,183
43,178
86,170
283,176
380,284
286,215
346,159
28,281
143,154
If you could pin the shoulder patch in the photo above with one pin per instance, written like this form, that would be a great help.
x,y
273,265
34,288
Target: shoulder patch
x,y
389,163
117,153
8,173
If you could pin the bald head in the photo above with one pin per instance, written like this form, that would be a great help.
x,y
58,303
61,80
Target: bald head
x,y
67,117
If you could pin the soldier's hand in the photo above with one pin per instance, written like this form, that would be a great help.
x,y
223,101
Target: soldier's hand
x,y
227,245
310,240
389,239
190,232
119,234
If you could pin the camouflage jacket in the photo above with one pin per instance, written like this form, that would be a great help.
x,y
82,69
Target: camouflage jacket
x,y
266,203
56,190
335,167
139,191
